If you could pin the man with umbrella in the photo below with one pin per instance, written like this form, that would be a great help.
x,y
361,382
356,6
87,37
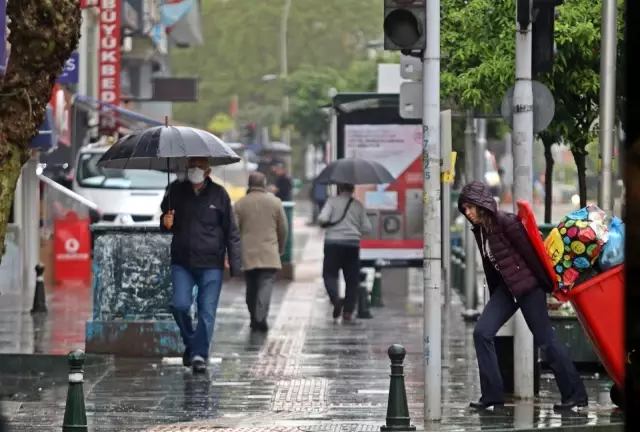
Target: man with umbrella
x,y
199,214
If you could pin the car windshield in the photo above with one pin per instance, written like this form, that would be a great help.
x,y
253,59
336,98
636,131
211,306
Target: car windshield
x,y
90,175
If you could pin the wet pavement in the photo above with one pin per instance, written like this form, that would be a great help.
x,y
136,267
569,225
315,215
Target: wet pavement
x,y
308,374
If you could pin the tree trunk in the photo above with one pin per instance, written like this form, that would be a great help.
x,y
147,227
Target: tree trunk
x,y
579,157
43,34
548,181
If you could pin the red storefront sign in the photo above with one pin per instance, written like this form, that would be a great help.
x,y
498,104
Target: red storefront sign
x,y
109,59
72,248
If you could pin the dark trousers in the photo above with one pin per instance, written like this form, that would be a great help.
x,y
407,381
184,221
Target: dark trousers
x,y
499,309
259,288
346,258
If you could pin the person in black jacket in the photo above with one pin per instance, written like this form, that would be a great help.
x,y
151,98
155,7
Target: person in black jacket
x,y
199,215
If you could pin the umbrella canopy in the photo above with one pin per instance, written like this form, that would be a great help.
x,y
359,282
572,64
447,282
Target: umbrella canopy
x,y
167,148
355,171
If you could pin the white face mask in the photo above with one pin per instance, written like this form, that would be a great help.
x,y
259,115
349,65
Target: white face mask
x,y
195,175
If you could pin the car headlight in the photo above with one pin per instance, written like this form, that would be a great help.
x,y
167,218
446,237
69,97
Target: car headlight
x,y
124,219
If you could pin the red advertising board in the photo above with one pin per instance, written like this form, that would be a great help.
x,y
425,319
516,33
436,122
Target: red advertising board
x,y
109,59
72,248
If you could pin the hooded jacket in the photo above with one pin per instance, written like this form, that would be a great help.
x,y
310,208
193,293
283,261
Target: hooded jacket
x,y
516,263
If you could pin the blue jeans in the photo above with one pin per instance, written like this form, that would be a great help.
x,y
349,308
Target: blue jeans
x,y
209,282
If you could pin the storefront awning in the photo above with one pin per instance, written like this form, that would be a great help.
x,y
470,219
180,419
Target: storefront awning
x,y
125,118
46,137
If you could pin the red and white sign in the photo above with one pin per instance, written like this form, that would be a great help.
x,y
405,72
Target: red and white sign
x,y
72,248
395,210
61,103
109,59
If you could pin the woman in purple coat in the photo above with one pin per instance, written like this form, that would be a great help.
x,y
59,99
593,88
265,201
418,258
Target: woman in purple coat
x,y
516,280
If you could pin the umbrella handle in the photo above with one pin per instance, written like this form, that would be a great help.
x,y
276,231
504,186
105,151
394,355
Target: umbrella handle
x,y
168,184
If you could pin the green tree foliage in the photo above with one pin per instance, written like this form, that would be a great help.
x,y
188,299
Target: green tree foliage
x,y
242,45
309,89
478,43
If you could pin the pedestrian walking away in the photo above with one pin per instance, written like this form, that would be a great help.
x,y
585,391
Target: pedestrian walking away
x,y
263,228
204,231
516,280
345,221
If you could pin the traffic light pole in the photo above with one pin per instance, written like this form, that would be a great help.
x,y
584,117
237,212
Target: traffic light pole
x,y
432,209
608,56
523,182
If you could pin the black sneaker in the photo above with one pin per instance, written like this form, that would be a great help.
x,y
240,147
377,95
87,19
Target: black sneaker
x,y
198,364
481,405
571,404
337,307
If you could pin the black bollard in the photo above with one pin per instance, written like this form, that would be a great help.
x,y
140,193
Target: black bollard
x,y
397,407
39,296
75,414
363,297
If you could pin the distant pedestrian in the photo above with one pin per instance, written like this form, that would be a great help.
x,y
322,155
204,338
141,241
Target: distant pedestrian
x,y
282,186
345,220
204,230
263,231
516,280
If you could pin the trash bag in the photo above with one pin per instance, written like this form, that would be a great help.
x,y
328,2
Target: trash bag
x,y
575,244
613,251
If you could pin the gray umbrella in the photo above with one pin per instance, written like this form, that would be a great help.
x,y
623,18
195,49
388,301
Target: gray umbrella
x,y
355,171
167,148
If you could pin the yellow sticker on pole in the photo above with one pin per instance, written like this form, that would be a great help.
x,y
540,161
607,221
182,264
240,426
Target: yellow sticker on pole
x,y
447,176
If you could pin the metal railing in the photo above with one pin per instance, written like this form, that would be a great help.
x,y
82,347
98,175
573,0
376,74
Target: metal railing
x,y
57,201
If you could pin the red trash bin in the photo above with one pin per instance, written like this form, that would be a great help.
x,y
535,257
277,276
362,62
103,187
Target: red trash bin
x,y
72,248
599,305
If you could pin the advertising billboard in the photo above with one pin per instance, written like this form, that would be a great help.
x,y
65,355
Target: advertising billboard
x,y
394,210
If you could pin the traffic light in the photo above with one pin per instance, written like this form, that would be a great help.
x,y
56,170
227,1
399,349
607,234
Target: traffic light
x,y
543,49
404,25
249,133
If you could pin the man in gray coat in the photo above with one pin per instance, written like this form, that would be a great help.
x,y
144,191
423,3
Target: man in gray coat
x,y
263,229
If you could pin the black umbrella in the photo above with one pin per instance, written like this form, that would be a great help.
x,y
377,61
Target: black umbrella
x,y
167,148
355,171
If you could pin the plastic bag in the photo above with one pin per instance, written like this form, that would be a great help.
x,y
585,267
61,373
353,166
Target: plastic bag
x,y
575,244
613,251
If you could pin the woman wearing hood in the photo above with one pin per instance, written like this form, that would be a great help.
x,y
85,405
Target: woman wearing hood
x,y
516,280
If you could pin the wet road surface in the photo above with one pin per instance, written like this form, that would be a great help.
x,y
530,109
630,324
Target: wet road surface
x,y
308,374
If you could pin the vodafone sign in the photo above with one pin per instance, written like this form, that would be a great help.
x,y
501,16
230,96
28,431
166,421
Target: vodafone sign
x,y
109,57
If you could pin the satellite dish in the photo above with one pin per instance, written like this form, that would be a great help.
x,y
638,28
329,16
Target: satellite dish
x,y
544,107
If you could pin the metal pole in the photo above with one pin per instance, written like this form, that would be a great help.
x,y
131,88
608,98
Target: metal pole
x,y
608,48
480,170
284,65
446,146
469,241
481,147
432,264
83,55
523,190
